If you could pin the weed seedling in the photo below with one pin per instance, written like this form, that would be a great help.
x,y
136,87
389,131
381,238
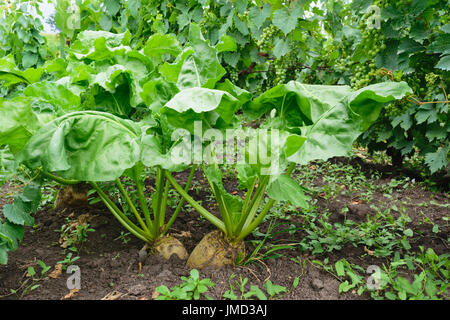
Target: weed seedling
x,y
32,281
68,260
190,289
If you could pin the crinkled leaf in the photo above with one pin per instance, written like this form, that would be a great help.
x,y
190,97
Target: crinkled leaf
x,y
18,122
110,76
100,45
55,94
156,93
85,146
200,104
159,45
298,103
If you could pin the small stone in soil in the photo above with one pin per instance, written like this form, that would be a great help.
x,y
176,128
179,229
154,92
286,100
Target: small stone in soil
x,y
317,284
164,273
115,263
137,289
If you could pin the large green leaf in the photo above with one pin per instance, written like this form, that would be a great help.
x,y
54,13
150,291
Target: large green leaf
x,y
226,43
437,160
85,146
18,122
131,69
171,71
200,104
284,188
444,63
157,92
17,215
54,94
441,44
159,45
368,101
286,20
177,158
10,74
330,117
100,45
11,234
242,95
258,16
296,102
201,68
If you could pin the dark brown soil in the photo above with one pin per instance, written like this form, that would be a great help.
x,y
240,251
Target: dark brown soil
x,y
110,268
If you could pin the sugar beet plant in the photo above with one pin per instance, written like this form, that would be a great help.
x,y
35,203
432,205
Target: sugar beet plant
x,y
97,120
107,111
300,123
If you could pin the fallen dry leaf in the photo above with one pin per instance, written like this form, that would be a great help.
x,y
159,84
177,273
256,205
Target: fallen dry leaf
x,y
356,201
82,220
56,272
155,294
183,234
312,167
362,156
64,243
369,252
113,295
71,294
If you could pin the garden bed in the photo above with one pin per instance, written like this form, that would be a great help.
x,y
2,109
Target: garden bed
x,y
109,262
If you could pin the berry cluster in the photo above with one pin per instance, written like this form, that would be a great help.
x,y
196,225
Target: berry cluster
x,y
373,43
266,43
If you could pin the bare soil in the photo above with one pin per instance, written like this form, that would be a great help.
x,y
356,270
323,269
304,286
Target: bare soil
x,y
110,268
